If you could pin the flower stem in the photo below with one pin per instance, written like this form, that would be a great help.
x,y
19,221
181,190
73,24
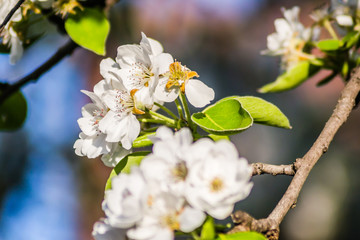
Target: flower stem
x,y
161,117
187,111
330,29
158,121
195,235
179,109
168,111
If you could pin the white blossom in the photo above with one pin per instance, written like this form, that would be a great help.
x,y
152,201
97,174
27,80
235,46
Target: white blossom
x,y
290,38
9,35
124,204
92,141
103,231
166,213
166,166
344,20
180,78
218,178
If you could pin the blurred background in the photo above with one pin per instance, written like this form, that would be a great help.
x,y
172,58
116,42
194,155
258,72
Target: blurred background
x,y
47,192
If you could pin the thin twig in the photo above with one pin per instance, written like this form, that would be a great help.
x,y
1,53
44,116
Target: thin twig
x,y
65,50
263,168
10,14
270,225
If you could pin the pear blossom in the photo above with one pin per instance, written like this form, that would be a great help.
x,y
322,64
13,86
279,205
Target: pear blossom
x,y
165,214
290,38
124,204
9,35
103,231
180,78
166,166
92,141
218,178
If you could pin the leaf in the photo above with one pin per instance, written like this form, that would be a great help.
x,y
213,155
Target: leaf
x,y
143,141
208,229
89,28
350,39
218,137
242,236
329,45
125,165
292,78
263,112
13,112
225,117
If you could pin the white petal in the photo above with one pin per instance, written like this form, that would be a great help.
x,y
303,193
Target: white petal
x,y
344,20
163,94
191,219
198,93
221,212
115,155
17,50
130,54
162,62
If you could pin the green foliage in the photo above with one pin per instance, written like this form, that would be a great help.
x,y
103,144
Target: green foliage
x,y
218,137
143,140
125,165
89,28
226,117
329,45
292,78
13,112
208,229
242,236
262,111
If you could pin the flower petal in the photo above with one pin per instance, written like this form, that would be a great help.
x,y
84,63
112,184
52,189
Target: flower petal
x,y
198,93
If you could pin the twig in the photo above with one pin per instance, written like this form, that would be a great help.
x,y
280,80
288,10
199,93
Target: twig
x,y
65,50
263,168
10,14
270,225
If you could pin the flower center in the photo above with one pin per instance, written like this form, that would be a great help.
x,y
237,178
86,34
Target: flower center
x,y
125,102
171,221
180,171
140,75
178,76
216,185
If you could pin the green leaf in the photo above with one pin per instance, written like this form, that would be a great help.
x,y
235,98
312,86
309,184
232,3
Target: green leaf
x,y
263,112
143,140
89,28
329,45
13,112
218,137
225,117
242,236
292,78
208,229
350,39
125,165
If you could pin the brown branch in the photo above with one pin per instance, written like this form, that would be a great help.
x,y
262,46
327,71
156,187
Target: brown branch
x,y
10,14
263,168
65,50
270,225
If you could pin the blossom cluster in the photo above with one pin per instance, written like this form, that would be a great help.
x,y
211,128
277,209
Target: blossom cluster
x,y
174,188
140,76
292,41
8,34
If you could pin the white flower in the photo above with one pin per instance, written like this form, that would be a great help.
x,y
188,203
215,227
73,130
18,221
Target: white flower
x,y
218,178
290,38
165,214
166,166
8,34
120,123
180,78
125,202
92,142
103,231
344,20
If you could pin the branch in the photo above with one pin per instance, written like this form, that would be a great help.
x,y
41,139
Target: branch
x,y
263,168
10,14
65,50
270,225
